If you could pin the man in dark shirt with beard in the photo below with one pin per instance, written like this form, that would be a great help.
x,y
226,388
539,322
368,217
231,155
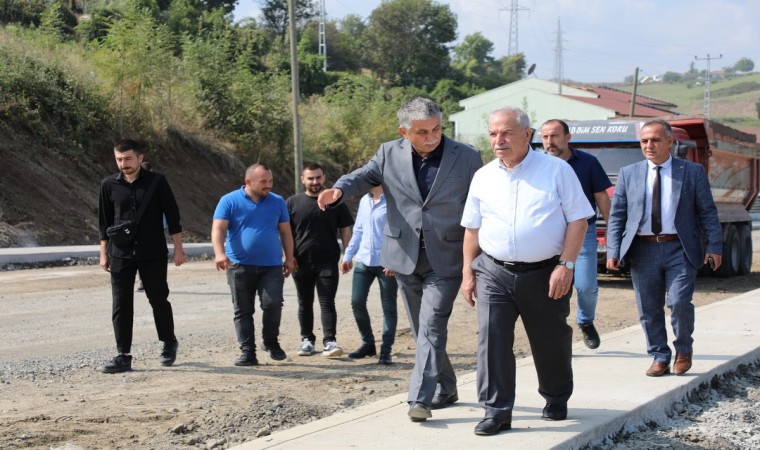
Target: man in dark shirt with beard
x,y
317,252
121,196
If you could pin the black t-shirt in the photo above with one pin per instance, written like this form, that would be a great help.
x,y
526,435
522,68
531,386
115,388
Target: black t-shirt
x,y
315,231
119,202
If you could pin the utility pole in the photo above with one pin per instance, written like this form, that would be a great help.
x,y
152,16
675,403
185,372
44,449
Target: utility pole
x,y
706,109
558,66
296,92
513,27
322,35
635,89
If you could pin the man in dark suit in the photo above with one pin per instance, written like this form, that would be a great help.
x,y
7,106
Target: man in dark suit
x,y
662,241
425,177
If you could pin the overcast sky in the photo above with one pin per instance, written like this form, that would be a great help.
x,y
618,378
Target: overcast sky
x,y
602,40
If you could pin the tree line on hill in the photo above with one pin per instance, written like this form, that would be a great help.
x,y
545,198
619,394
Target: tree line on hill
x,y
694,76
70,69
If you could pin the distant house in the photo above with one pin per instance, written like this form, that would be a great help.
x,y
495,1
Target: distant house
x,y
542,100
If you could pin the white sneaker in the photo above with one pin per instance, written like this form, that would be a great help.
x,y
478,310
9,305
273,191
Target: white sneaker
x,y
306,348
331,349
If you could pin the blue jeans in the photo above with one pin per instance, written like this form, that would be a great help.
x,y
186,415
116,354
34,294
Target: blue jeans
x,y
245,282
363,277
585,282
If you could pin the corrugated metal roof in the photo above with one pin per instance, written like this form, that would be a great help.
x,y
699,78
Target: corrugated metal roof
x,y
620,102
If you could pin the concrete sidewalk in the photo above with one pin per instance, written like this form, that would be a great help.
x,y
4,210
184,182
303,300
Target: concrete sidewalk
x,y
611,393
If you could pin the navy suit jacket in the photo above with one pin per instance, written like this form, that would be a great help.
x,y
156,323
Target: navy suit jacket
x,y
696,217
436,218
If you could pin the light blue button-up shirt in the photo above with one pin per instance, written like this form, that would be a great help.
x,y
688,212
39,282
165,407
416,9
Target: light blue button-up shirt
x,y
367,239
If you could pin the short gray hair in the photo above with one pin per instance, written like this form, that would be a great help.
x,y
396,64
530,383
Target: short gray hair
x,y
522,117
665,126
418,108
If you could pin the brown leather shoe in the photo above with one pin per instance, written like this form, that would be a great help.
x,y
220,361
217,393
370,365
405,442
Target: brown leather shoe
x,y
658,369
682,364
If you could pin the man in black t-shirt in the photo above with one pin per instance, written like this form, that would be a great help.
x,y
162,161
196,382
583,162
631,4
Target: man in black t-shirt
x,y
121,197
318,254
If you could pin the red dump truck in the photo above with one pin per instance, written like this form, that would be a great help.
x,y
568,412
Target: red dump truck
x,y
730,157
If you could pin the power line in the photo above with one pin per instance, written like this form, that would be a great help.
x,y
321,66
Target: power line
x,y
513,28
707,82
322,35
558,64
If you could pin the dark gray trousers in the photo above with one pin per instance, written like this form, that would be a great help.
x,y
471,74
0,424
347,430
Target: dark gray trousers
x,y
429,299
502,297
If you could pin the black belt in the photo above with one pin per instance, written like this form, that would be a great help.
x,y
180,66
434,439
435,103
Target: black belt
x,y
519,266
657,238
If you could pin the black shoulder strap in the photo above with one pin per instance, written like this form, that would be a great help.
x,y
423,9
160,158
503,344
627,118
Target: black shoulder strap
x,y
148,196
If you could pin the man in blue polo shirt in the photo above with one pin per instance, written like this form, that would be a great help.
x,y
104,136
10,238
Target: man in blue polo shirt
x,y
556,137
251,229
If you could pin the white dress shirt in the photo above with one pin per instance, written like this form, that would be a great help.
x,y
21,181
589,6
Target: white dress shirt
x,y
667,210
522,214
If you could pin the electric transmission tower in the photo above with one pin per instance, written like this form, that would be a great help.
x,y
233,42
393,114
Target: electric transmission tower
x,y
706,110
322,35
513,27
558,69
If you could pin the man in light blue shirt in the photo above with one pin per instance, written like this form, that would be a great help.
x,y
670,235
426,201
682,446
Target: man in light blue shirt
x,y
365,245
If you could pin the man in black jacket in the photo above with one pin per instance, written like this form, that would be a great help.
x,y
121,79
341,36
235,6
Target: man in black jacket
x,y
121,196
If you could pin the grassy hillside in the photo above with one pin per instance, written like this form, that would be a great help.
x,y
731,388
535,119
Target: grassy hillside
x,y
732,101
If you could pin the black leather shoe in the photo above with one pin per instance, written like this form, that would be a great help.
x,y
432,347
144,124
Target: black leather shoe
x,y
555,411
363,351
276,352
419,412
169,353
491,426
385,358
121,363
590,336
247,359
443,400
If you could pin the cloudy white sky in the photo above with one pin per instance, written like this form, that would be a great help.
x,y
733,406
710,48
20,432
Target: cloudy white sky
x,y
603,40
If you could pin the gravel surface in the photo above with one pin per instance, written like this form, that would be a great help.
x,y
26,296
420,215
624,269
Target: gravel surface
x,y
55,331
722,415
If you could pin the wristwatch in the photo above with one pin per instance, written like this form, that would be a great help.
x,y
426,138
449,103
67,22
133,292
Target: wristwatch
x,y
569,264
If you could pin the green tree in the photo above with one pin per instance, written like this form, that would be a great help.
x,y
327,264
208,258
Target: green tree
x,y
57,21
474,47
353,102
183,16
137,55
672,77
406,41
349,54
344,43
512,68
757,107
251,109
744,65
275,14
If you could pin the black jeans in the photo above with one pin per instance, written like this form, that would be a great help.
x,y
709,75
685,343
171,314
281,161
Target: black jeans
x,y
325,278
153,276
245,282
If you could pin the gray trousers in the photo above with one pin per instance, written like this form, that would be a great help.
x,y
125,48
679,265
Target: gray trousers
x,y
429,299
503,296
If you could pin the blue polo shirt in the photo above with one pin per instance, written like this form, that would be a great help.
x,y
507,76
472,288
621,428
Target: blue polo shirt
x,y
253,237
591,174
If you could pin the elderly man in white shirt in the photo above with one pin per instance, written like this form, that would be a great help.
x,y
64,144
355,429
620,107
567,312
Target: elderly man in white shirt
x,y
525,221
